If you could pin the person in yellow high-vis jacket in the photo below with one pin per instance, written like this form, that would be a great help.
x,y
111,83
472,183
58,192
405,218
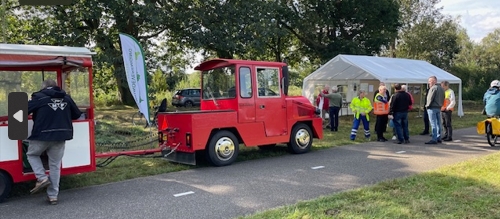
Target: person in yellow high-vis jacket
x,y
446,110
360,107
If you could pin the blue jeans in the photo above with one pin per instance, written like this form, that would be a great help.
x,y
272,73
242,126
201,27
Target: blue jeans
x,y
401,125
435,122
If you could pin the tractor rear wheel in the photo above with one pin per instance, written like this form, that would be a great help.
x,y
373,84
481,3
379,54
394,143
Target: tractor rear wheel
x,y
223,148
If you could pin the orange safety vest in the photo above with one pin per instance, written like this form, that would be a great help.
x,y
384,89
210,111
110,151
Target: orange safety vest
x,y
447,100
380,108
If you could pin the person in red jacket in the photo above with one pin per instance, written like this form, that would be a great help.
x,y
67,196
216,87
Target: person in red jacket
x,y
324,108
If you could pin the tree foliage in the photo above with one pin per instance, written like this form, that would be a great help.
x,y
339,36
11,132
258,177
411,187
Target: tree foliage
x,y
436,42
305,32
328,28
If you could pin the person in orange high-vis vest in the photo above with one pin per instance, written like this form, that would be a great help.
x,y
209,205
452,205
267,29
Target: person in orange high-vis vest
x,y
381,110
447,109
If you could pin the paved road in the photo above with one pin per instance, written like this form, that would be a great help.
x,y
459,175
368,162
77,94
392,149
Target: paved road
x,y
246,187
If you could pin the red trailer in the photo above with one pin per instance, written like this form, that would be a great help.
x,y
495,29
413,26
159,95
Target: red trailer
x,y
242,102
22,69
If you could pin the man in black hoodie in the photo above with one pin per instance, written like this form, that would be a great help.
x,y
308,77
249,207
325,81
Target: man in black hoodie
x,y
398,110
53,111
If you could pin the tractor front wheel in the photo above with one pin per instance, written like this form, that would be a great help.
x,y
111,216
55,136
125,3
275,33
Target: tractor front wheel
x,y
301,139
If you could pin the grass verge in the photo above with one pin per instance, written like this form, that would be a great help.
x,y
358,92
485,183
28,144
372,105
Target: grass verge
x,y
117,130
470,189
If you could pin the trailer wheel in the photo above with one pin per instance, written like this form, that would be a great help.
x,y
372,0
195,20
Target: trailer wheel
x,y
5,185
301,139
223,148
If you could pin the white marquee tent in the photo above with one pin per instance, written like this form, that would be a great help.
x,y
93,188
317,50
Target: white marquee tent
x,y
387,70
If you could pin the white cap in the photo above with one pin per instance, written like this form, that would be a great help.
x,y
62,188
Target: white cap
x,y
495,83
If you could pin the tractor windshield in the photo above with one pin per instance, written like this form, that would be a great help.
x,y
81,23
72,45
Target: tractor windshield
x,y
219,83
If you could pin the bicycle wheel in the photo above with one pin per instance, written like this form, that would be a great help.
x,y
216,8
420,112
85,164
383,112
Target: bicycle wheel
x,y
138,119
492,139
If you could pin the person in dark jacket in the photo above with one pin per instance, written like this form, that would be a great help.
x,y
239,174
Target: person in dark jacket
x,y
399,105
53,111
425,116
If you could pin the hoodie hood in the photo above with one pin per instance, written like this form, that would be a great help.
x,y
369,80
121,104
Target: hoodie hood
x,y
493,90
53,92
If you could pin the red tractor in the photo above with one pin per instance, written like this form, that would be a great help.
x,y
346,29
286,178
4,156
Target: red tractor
x,y
242,102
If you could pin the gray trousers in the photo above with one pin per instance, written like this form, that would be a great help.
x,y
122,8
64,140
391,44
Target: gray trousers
x,y
55,152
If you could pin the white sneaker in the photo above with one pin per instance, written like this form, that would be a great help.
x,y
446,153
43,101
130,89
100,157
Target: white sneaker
x,y
394,138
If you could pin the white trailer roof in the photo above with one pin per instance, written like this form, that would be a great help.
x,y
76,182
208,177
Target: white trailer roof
x,y
20,49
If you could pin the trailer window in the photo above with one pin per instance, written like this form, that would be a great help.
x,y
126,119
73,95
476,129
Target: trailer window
x,y
245,82
21,81
219,83
268,83
76,84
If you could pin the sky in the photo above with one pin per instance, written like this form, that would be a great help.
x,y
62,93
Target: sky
x,y
479,17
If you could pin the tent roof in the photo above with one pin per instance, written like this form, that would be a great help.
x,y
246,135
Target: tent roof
x,y
21,49
389,70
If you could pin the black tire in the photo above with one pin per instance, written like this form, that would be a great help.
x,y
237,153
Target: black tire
x,y
492,139
223,148
5,185
188,103
301,139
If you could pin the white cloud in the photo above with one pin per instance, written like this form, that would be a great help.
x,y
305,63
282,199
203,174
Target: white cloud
x,y
479,17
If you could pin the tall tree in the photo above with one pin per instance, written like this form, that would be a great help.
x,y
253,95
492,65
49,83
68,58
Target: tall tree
x,y
427,34
92,22
436,42
226,29
329,28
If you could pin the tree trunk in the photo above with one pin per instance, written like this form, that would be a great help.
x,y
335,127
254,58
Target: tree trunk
x,y
225,54
126,97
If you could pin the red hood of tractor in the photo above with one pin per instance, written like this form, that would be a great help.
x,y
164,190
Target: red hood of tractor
x,y
301,107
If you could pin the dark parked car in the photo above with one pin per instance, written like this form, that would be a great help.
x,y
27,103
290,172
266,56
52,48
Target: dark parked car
x,y
187,97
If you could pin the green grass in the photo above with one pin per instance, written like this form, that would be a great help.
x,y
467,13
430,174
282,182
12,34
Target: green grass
x,y
114,128
470,189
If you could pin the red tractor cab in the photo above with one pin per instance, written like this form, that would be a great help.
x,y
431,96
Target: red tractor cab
x,y
242,102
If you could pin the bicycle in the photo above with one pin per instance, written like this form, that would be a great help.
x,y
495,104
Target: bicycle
x,y
138,118
490,127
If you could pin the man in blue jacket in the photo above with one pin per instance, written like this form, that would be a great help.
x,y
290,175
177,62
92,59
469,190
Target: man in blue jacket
x,y
53,111
492,99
